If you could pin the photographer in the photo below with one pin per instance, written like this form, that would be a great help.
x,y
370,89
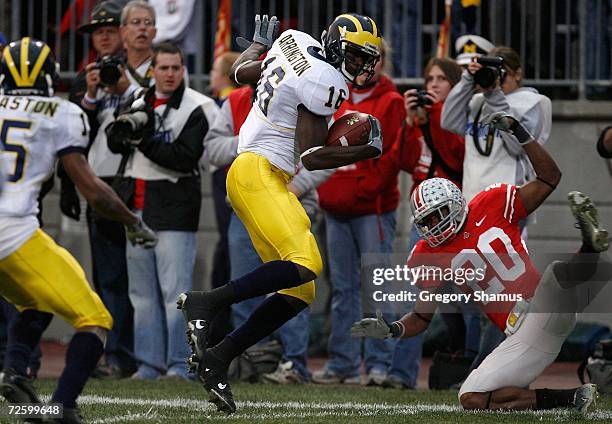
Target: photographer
x,y
492,156
163,135
425,150
101,89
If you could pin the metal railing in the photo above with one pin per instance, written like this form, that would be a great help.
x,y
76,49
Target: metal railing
x,y
562,43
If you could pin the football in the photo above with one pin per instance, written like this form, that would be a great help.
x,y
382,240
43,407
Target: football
x,y
352,129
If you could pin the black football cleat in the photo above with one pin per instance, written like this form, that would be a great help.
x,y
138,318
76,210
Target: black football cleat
x,y
17,388
198,314
213,374
70,416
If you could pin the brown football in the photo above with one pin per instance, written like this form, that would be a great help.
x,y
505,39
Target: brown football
x,y
352,129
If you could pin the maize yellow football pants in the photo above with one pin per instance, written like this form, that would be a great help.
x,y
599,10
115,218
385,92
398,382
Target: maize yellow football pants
x,y
273,216
42,275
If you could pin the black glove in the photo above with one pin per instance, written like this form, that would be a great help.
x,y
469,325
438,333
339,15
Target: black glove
x,y
117,144
70,203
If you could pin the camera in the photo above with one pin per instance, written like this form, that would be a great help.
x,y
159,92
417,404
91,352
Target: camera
x,y
422,99
109,69
128,126
493,67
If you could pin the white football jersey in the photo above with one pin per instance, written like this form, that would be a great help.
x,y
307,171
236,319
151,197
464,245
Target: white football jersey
x,y
34,131
294,72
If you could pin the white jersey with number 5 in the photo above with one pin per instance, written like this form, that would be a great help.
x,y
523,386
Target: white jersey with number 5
x,y
34,132
294,72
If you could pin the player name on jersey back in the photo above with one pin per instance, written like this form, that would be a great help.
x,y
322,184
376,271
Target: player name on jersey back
x,y
43,106
294,72
294,54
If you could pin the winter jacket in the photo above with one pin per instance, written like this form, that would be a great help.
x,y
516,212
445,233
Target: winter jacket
x,y
346,192
414,154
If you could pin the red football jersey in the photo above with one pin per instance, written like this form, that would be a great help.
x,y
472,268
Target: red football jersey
x,y
490,241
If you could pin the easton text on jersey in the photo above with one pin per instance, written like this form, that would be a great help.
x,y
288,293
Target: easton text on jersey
x,y
294,55
32,105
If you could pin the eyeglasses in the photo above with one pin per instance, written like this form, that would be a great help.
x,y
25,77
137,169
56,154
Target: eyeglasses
x,y
136,22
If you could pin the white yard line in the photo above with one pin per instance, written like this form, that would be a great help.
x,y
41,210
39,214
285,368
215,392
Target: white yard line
x,y
301,409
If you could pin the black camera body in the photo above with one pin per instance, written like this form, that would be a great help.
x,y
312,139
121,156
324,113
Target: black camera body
x,y
129,126
109,69
422,99
493,68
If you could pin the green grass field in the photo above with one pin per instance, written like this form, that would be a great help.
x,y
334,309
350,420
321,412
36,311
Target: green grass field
x,y
180,402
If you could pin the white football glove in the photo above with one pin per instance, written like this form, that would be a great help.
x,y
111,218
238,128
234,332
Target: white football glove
x,y
376,328
375,135
141,234
505,122
265,32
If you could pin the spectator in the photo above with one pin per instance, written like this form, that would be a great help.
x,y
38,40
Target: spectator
x,y
598,44
425,150
491,156
359,222
176,21
220,82
604,143
100,102
221,86
470,46
221,148
137,32
166,191
495,157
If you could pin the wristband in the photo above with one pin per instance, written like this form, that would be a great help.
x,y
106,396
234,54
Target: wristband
x,y
89,100
309,151
522,135
397,329
546,182
237,68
